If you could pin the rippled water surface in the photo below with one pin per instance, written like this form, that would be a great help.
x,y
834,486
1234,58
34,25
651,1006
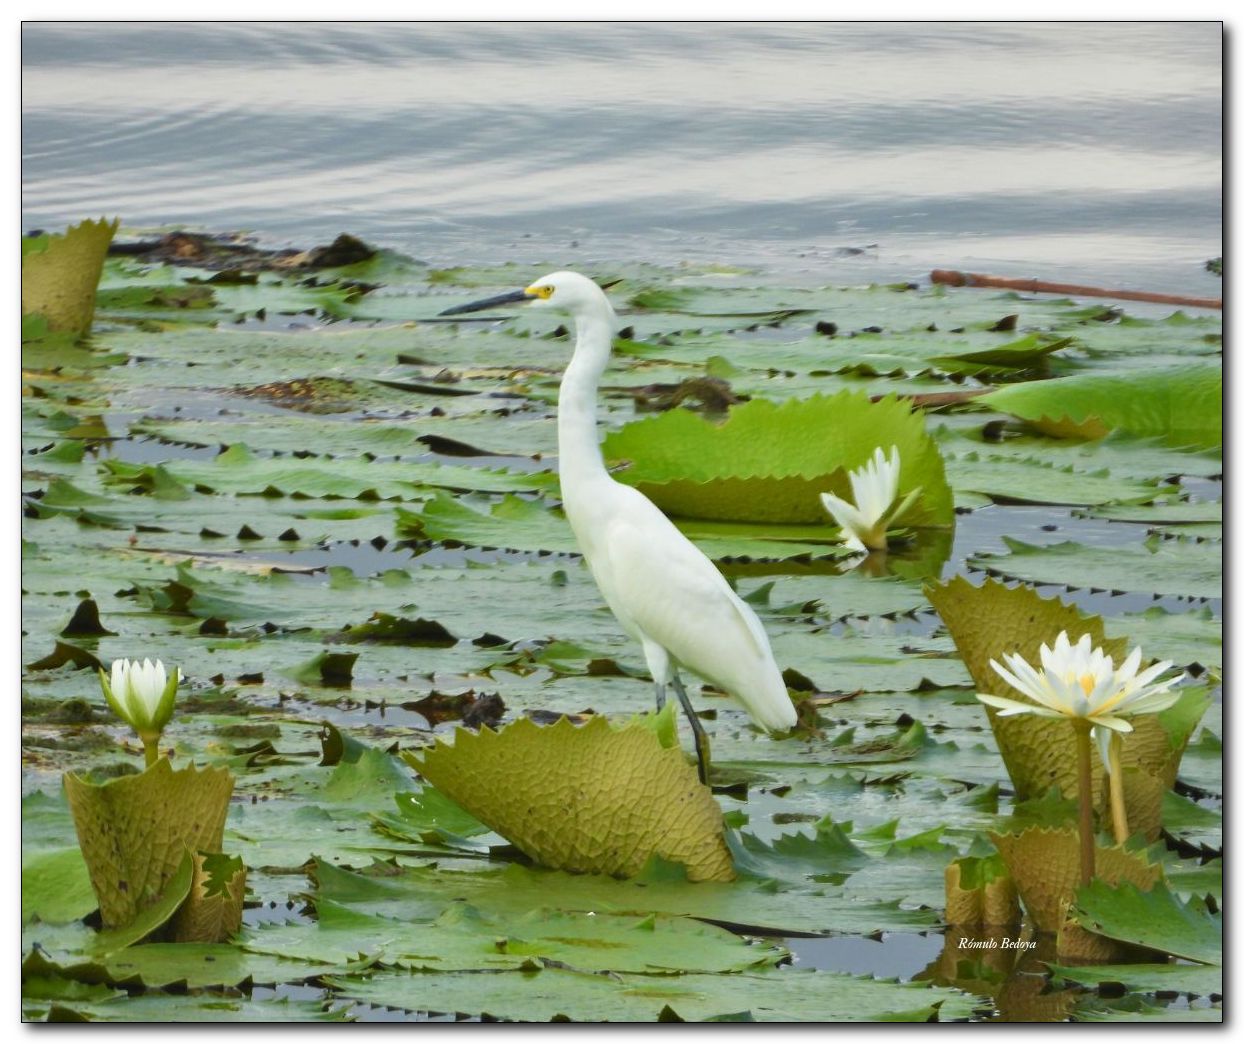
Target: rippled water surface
x,y
1075,151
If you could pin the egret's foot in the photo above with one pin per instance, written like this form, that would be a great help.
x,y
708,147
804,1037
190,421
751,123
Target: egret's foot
x,y
702,756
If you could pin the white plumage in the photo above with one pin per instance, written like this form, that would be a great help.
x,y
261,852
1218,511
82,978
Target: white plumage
x,y
665,592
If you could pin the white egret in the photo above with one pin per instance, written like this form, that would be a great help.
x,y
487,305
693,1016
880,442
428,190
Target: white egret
x,y
664,591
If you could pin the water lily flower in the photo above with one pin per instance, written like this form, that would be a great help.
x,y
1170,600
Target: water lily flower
x,y
1080,681
1080,684
873,487
142,695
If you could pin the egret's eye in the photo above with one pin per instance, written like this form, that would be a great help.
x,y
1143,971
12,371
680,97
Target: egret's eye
x,y
545,291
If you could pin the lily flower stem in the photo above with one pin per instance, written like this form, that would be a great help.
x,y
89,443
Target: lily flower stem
x,y
1118,810
151,749
1084,760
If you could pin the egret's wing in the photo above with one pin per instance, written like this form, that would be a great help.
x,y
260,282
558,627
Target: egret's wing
x,y
672,591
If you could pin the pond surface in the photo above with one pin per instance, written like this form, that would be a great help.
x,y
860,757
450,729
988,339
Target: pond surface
x,y
847,152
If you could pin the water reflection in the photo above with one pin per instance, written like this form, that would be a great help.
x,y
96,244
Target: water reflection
x,y
1006,965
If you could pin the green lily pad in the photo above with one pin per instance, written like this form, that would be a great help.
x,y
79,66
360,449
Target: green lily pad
x,y
1181,405
1155,919
770,463
552,993
464,938
1180,568
56,887
515,524
1196,979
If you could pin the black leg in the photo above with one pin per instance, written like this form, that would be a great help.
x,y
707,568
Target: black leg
x,y
660,697
697,729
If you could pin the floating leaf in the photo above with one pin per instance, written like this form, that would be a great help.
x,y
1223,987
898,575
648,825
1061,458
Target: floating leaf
x,y
769,463
1036,481
56,887
463,939
1011,359
829,855
324,668
516,524
1153,918
1161,567
1196,979
618,796
559,994
754,905
1181,405
429,816
1136,1009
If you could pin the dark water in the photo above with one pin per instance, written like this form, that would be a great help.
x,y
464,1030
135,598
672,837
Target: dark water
x,y
1068,150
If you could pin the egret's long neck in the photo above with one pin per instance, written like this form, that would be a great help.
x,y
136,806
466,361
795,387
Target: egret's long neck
x,y
580,463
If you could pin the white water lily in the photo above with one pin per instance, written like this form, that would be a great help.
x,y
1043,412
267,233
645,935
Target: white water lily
x,y
141,694
1080,681
873,487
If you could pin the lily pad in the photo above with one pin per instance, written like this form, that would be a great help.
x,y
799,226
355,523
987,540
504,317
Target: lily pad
x,y
1180,568
770,463
464,939
1154,918
554,993
1182,405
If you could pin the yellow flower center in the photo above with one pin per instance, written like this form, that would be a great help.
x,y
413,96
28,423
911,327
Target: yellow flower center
x,y
1088,683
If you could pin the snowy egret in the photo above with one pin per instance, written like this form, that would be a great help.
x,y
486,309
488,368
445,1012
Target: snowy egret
x,y
665,592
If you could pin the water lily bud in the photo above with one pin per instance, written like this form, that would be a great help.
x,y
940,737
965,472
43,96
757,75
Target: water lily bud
x,y
141,694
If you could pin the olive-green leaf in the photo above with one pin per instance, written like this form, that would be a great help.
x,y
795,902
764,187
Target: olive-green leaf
x,y
617,798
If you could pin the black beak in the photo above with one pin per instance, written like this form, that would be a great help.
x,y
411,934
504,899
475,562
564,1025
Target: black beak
x,y
489,302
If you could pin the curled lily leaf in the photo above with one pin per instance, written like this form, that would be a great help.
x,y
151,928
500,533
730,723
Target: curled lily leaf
x,y
874,487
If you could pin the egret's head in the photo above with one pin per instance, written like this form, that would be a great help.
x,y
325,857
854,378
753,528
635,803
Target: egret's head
x,y
566,292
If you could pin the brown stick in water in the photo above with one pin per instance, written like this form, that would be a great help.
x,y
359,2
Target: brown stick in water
x,y
1040,286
